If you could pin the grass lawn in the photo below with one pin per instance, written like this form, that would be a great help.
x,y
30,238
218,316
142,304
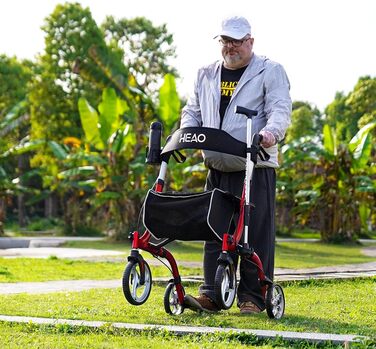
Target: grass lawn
x,y
342,306
34,270
67,337
184,251
297,255
22,336
288,255
293,255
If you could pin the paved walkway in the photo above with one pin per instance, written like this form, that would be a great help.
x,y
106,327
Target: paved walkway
x,y
45,247
281,274
59,252
41,241
56,286
339,272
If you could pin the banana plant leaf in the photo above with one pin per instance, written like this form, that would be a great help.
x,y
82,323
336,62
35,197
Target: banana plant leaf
x,y
23,147
89,158
358,139
90,123
330,144
3,173
169,102
108,114
78,171
16,116
119,139
59,151
361,146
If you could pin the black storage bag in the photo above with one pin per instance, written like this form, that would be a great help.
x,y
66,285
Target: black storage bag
x,y
189,217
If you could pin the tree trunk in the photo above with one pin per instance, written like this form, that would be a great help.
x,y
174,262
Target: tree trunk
x,y
2,216
22,166
21,210
51,206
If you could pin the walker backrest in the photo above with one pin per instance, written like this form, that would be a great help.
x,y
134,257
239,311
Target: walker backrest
x,y
203,138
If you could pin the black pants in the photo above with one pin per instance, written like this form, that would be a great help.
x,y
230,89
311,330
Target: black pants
x,y
261,232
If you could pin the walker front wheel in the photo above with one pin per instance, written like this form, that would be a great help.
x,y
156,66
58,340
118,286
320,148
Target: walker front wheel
x,y
225,285
171,300
137,282
275,301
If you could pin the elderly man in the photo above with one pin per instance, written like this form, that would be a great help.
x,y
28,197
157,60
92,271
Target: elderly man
x,y
255,82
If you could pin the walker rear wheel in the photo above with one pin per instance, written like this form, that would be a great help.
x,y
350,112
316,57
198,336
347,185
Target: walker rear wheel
x,y
171,301
225,285
275,301
137,282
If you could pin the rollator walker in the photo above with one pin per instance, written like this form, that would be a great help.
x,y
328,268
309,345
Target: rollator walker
x,y
205,216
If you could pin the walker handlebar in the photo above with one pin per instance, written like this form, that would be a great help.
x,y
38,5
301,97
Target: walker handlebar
x,y
203,138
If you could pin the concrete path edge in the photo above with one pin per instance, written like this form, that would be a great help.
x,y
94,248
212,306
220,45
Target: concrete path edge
x,y
186,330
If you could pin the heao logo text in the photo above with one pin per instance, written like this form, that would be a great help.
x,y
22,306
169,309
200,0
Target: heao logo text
x,y
192,138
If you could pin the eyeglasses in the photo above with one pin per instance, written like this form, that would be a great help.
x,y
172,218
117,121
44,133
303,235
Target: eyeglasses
x,y
234,43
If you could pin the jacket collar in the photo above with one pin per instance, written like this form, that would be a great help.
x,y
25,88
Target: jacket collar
x,y
255,67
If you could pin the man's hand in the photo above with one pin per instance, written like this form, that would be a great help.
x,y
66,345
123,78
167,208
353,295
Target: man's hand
x,y
268,139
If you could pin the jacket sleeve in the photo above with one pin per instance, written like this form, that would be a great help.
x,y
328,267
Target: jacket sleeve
x,y
277,101
191,113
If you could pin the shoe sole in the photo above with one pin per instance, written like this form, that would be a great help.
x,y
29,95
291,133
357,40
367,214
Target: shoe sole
x,y
249,312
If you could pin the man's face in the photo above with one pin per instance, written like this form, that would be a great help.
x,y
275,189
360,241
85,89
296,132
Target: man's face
x,y
236,53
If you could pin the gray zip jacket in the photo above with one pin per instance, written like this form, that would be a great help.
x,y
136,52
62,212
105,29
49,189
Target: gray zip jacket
x,y
264,87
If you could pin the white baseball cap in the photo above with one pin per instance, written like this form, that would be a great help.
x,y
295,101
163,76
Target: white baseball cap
x,y
235,27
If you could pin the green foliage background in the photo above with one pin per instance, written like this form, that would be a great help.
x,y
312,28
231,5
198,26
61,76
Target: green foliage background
x,y
74,127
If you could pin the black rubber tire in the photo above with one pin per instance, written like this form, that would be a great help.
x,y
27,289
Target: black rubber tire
x,y
170,300
225,286
131,283
275,301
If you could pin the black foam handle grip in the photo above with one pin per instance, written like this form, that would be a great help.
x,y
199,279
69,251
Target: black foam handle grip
x,y
154,149
245,111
